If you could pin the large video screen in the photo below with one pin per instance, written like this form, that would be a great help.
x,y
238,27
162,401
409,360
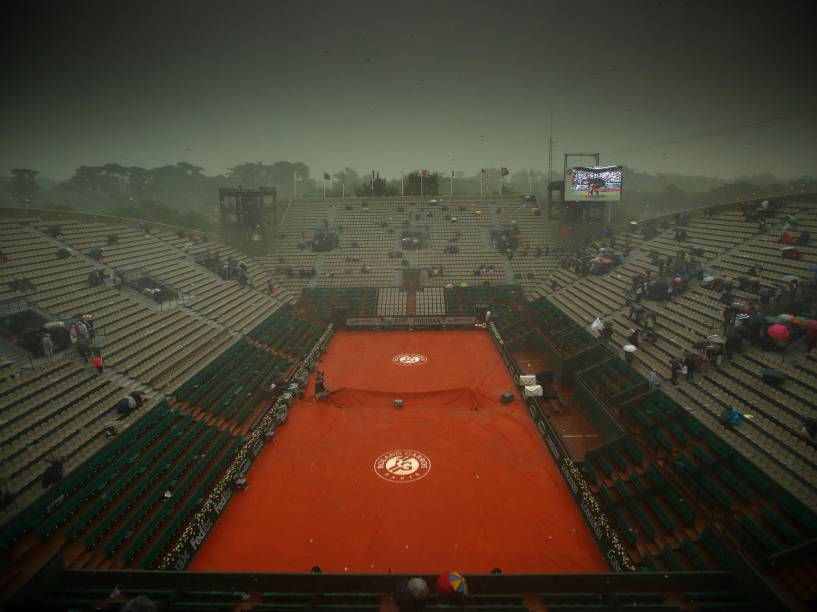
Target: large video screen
x,y
593,184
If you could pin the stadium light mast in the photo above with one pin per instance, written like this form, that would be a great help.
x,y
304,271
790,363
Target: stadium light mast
x,y
551,142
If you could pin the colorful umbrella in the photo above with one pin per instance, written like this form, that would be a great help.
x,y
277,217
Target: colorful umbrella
x,y
784,318
778,332
451,582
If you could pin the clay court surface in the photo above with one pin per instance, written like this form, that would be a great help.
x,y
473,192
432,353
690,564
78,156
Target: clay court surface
x,y
491,495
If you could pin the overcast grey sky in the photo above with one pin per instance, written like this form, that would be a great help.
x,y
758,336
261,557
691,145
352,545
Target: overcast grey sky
x,y
400,85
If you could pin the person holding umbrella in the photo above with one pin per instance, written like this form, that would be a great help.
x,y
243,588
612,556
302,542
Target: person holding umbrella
x,y
779,333
674,367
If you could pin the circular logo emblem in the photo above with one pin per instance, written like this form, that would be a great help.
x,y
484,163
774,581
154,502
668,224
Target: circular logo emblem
x,y
402,466
409,359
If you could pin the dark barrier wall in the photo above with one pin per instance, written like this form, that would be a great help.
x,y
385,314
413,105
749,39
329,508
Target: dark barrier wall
x,y
596,412
564,367
594,408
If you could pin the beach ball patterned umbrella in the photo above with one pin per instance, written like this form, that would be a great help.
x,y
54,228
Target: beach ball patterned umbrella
x,y
452,582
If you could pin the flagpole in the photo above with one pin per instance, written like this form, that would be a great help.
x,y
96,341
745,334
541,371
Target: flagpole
x,y
421,183
402,185
530,183
324,189
501,180
452,184
294,185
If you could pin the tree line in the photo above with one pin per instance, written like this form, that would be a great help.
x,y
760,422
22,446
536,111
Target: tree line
x,y
182,194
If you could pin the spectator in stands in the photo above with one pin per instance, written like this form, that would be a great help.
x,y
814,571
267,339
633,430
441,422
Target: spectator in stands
x,y
84,349
653,378
811,339
320,386
99,364
689,363
792,253
54,472
6,496
129,403
803,239
810,429
607,329
48,345
675,367
3,258
730,417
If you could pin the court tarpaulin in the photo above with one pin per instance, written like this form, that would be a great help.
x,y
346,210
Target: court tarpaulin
x,y
453,478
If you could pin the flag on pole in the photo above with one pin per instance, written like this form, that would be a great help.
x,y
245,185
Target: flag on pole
x,y
297,178
326,176
505,171
483,171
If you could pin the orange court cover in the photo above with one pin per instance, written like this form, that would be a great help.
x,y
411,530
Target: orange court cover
x,y
452,480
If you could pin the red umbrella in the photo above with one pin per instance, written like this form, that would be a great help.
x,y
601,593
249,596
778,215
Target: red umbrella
x,y
778,332
810,324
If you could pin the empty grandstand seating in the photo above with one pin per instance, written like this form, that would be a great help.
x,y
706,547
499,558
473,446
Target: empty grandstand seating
x,y
681,491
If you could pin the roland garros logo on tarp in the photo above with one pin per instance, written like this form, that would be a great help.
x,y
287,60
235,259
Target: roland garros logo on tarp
x,y
409,359
402,466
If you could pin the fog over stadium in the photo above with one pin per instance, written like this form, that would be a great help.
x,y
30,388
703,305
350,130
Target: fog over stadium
x,y
422,305
399,86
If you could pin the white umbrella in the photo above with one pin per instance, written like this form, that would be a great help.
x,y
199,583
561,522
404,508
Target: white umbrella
x,y
630,348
